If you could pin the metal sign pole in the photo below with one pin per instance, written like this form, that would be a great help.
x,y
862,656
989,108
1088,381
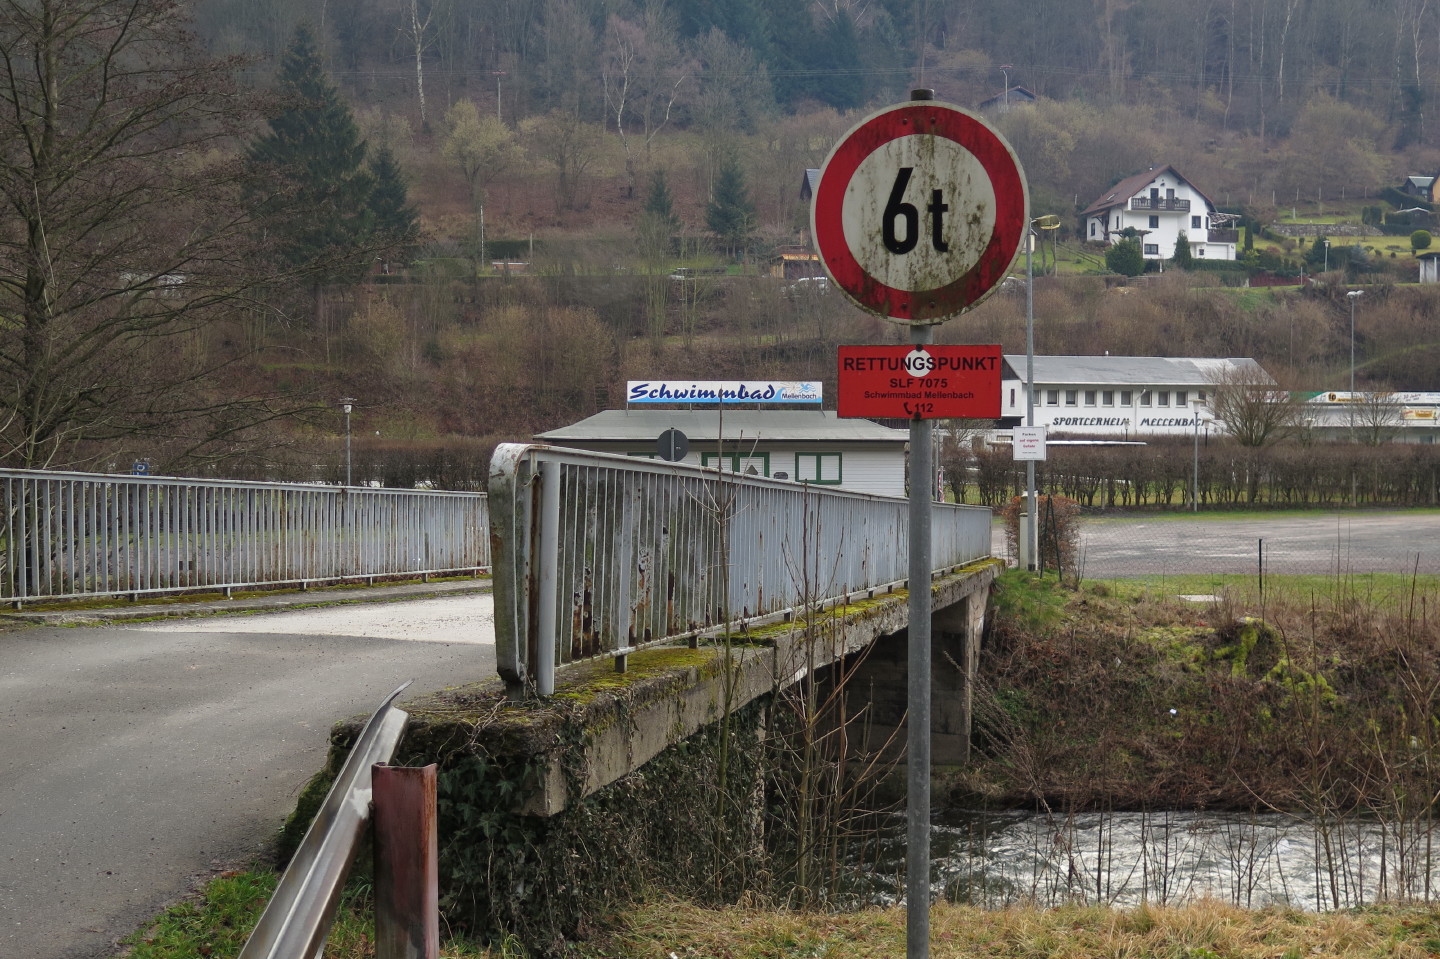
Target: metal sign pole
x,y
917,758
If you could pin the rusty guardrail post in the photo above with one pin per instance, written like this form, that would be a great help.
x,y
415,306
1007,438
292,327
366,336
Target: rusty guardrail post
x,y
407,872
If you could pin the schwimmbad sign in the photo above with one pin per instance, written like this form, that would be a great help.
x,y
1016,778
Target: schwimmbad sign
x,y
711,392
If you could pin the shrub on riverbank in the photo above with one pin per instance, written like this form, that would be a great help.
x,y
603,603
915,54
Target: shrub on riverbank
x,y
1321,705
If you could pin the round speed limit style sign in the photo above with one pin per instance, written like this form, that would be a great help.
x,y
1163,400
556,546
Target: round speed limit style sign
x,y
920,211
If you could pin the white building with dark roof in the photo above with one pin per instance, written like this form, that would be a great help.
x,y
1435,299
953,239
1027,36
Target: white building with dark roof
x,y
813,446
1160,204
1118,397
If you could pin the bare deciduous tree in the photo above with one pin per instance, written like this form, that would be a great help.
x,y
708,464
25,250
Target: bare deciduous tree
x,y
1252,407
122,235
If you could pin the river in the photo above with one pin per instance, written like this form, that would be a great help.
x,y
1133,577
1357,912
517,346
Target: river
x,y
1129,858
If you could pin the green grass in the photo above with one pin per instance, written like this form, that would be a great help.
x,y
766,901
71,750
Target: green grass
x,y
217,921
1380,590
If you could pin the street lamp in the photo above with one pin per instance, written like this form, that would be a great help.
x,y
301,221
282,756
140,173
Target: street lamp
x,y
1047,222
347,403
1352,296
1327,254
1005,69
1195,481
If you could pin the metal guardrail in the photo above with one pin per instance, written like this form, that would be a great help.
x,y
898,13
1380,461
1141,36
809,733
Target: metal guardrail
x,y
599,554
298,917
69,535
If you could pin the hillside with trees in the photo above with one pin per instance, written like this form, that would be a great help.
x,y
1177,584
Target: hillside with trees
x,y
466,216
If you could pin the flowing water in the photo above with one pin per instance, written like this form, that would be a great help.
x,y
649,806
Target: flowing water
x,y
1128,858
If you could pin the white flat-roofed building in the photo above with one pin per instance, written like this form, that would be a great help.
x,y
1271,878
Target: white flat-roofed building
x,y
1118,397
1372,417
813,446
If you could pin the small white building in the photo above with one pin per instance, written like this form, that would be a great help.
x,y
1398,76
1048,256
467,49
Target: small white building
x,y
813,446
1159,204
1429,267
1118,397
1371,417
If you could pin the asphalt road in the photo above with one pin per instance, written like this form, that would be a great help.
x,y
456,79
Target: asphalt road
x,y
1315,544
138,759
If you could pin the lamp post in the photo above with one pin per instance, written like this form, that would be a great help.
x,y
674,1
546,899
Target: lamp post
x,y
1005,72
347,403
1352,296
498,74
1327,254
1195,480
1048,222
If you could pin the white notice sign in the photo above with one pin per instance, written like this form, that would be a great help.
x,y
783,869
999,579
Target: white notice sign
x,y
1029,442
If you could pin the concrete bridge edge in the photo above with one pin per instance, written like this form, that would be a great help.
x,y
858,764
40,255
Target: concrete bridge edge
x,y
668,708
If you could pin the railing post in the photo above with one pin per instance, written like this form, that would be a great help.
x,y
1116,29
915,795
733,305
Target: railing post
x,y
407,872
548,592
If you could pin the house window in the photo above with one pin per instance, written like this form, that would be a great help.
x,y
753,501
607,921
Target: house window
x,y
1035,397
1125,396
1200,251
1162,398
1107,397
1072,397
1194,223
1094,229
817,468
1089,397
1181,398
1200,397
755,464
1169,195
1152,249
1052,397
1144,397
1154,222
1012,397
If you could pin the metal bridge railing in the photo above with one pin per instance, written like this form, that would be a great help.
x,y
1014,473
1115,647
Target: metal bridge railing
x,y
598,554
68,535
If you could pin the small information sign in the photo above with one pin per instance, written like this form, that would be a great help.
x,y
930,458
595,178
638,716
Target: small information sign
x,y
920,382
1029,442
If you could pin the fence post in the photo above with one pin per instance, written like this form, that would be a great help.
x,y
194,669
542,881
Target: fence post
x,y
548,591
407,874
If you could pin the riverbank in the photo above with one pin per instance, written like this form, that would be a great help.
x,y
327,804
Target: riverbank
x,y
1315,701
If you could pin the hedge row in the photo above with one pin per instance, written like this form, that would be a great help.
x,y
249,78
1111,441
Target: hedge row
x,y
1161,474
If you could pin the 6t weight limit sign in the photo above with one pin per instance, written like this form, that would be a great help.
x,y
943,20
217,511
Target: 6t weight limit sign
x,y
920,211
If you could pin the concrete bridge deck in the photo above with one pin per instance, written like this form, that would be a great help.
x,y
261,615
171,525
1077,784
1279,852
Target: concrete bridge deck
x,y
619,721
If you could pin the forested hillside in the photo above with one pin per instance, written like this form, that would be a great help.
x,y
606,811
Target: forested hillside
x,y
595,147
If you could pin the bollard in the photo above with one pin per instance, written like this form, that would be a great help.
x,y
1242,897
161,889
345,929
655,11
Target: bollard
x,y
407,877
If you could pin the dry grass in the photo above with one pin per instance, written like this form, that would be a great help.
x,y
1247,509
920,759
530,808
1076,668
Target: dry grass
x,y
1202,931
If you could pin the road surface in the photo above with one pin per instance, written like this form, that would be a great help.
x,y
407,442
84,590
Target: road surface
x,y
138,758
1315,544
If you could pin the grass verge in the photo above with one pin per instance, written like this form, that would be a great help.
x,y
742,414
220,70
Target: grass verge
x,y
216,923
1390,591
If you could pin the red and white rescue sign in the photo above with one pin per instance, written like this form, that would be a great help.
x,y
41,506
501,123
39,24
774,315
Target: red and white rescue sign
x,y
920,382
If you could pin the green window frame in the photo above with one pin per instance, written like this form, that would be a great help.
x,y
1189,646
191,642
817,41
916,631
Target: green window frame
x,y
822,469
737,462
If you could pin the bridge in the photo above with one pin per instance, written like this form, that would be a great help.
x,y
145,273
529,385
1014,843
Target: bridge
x,y
683,591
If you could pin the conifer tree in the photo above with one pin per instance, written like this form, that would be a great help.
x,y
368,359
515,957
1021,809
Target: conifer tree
x,y
730,214
1183,258
320,207
395,220
659,204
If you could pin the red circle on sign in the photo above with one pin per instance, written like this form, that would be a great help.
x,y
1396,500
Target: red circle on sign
x,y
920,119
